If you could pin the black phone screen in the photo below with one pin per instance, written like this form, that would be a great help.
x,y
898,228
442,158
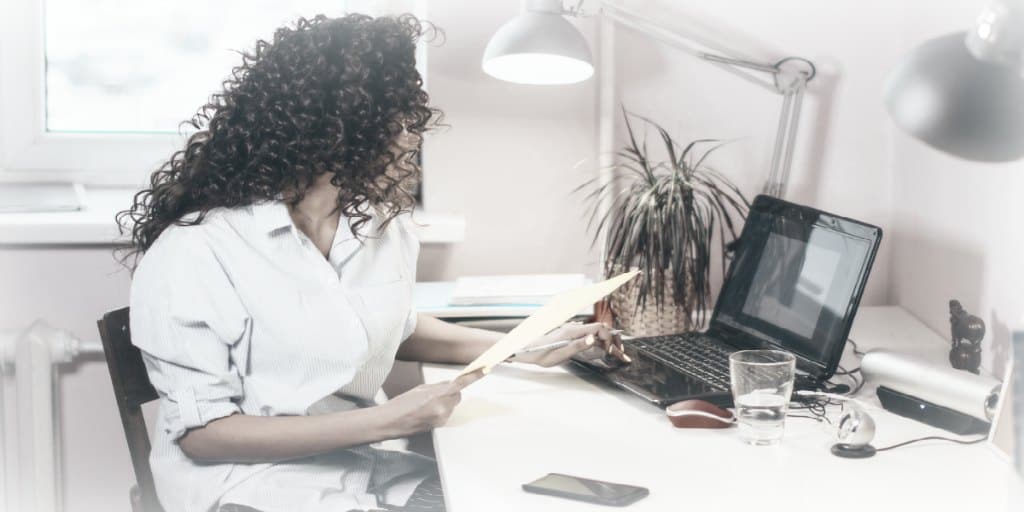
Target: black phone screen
x,y
566,486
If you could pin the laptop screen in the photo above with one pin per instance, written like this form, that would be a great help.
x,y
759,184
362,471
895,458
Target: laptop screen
x,y
796,281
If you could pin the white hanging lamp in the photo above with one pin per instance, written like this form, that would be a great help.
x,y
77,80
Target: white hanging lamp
x,y
963,93
539,47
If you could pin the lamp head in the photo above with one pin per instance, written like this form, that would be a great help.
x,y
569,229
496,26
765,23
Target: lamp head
x,y
963,93
956,103
539,47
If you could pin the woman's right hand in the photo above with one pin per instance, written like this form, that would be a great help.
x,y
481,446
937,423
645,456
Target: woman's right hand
x,y
427,406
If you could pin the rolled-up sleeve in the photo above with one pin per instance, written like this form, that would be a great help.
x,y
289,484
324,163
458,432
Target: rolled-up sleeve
x,y
186,318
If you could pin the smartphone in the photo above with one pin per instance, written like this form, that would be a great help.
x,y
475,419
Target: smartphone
x,y
584,489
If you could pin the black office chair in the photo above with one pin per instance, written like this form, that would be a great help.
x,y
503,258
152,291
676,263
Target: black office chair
x,y
132,389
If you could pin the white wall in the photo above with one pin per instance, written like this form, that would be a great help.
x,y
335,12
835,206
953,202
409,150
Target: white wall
x,y
506,164
953,229
71,288
842,160
507,160
958,226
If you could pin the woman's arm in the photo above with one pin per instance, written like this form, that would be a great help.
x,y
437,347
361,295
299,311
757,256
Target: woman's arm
x,y
437,341
252,439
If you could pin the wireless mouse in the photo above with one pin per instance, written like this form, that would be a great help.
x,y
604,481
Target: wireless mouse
x,y
698,414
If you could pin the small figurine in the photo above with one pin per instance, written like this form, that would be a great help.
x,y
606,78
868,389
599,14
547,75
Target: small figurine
x,y
967,332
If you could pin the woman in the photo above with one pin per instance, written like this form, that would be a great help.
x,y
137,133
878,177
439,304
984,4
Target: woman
x,y
273,289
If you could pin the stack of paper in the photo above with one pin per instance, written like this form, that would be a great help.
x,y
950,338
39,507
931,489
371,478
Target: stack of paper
x,y
512,290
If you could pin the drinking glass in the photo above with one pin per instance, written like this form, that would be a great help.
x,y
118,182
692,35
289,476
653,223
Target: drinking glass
x,y
762,384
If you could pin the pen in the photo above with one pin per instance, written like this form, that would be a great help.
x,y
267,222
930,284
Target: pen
x,y
556,345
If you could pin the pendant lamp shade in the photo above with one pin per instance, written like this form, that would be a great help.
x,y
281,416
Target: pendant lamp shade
x,y
963,93
538,48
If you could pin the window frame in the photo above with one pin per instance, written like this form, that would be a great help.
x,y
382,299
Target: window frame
x,y
28,152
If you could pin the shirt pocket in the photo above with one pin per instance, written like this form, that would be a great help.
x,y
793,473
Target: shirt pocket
x,y
384,308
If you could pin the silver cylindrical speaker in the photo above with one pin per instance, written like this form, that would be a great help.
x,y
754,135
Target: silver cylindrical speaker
x,y
964,392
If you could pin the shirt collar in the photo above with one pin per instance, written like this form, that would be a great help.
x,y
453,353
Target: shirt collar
x,y
272,215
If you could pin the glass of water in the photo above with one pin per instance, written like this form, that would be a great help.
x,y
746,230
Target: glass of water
x,y
762,383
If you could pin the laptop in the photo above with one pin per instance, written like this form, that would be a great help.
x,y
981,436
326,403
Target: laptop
x,y
794,284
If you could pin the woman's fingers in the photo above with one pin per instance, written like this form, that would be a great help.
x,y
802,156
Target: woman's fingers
x,y
560,355
614,347
610,342
463,381
574,331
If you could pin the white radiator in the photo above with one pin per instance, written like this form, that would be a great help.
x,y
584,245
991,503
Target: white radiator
x,y
30,450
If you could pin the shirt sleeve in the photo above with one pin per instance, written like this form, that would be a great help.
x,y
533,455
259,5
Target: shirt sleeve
x,y
186,317
411,254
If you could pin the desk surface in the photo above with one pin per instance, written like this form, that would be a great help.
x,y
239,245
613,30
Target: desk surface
x,y
522,422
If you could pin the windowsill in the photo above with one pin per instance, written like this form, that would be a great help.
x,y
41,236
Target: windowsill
x,y
94,223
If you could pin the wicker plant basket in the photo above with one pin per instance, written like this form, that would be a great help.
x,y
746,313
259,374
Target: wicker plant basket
x,y
652,319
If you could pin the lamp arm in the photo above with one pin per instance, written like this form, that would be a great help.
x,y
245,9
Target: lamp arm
x,y
783,78
789,78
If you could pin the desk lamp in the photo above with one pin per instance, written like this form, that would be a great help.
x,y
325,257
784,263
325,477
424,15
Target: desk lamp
x,y
541,47
963,93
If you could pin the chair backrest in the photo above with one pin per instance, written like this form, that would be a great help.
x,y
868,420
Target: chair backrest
x,y
132,389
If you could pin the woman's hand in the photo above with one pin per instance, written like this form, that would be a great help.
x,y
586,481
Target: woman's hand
x,y
583,336
427,406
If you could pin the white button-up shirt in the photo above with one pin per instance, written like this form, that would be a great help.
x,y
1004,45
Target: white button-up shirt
x,y
242,314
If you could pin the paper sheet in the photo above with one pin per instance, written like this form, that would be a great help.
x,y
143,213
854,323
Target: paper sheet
x,y
557,311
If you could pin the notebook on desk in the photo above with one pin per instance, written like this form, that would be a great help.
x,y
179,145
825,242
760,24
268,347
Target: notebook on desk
x,y
434,298
512,290
794,284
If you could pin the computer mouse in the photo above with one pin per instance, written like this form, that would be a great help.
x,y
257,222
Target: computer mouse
x,y
699,414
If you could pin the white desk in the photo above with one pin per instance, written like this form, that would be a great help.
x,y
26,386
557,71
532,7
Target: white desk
x,y
521,423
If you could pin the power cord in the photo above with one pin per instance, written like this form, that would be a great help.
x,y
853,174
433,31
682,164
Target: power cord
x,y
931,438
815,406
856,350
854,375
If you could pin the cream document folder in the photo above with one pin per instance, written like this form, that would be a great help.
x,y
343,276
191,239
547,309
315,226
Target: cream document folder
x,y
560,308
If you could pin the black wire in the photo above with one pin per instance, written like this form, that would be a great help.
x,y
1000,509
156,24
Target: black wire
x,y
858,383
856,350
816,406
931,438
815,418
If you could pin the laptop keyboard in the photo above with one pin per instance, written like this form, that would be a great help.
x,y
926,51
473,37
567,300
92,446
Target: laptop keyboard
x,y
694,354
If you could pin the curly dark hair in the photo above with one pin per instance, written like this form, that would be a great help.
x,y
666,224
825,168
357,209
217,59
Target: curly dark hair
x,y
329,96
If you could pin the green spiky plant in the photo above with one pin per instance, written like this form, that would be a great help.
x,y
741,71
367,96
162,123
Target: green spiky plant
x,y
664,217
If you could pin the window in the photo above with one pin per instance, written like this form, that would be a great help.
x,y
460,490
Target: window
x,y
153,63
98,89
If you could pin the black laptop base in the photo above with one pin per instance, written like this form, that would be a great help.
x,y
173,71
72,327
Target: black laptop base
x,y
649,377
661,382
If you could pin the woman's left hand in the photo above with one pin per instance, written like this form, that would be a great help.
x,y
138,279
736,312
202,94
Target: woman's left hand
x,y
583,337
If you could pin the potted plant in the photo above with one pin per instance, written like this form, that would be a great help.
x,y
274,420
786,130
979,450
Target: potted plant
x,y
663,219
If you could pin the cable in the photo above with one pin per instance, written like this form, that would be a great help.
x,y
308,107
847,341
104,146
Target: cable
x,y
856,350
931,438
816,406
855,376
815,418
856,389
